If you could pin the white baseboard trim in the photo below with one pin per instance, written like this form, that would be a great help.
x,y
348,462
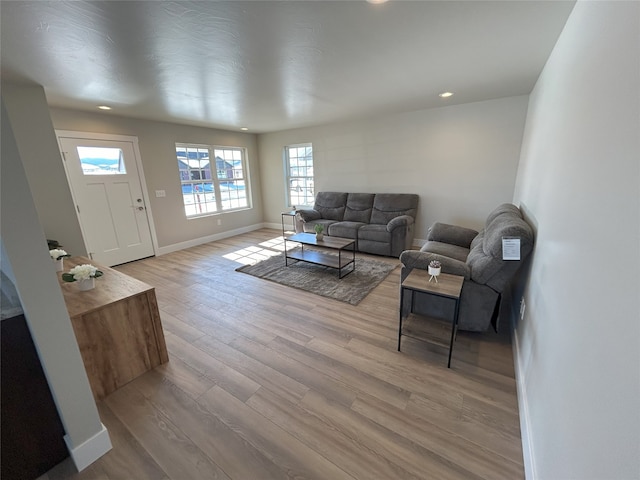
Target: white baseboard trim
x,y
274,226
89,451
523,408
209,238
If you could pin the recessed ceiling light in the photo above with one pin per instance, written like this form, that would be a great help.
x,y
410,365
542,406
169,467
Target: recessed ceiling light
x,y
445,94
244,129
104,107
377,2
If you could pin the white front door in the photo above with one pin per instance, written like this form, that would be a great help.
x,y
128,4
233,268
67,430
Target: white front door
x,y
105,182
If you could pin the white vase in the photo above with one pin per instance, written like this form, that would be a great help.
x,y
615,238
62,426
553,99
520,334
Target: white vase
x,y
434,271
59,264
88,284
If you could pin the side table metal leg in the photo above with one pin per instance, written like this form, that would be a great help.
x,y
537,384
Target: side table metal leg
x,y
454,330
400,316
286,258
453,334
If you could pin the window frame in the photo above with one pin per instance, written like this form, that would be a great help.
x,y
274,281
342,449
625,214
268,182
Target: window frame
x,y
303,179
216,196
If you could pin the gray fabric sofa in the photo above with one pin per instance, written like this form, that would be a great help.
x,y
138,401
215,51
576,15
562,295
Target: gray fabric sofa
x,y
477,256
381,223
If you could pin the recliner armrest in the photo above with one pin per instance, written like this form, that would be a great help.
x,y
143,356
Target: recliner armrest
x,y
452,234
308,215
417,259
401,221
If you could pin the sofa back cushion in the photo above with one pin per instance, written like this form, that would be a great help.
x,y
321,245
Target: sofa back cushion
x,y
359,206
387,206
502,209
485,257
331,205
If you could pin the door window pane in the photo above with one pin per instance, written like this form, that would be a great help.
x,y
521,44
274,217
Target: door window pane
x,y
101,161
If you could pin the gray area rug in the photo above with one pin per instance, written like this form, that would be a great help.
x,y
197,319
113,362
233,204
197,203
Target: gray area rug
x,y
323,280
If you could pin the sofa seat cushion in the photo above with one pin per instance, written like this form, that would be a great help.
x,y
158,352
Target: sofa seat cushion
x,y
446,250
345,229
310,227
374,233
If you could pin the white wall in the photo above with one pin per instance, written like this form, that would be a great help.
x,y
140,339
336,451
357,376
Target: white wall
x,y
578,347
44,307
31,123
157,143
461,160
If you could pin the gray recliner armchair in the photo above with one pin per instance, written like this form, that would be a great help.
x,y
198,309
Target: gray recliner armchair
x,y
477,256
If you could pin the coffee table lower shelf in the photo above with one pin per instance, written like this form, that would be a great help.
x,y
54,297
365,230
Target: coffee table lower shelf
x,y
325,259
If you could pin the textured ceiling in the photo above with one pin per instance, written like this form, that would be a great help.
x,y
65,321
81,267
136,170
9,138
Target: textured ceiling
x,y
272,66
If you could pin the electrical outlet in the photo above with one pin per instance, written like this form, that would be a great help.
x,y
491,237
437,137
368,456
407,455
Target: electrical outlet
x,y
219,221
160,193
523,306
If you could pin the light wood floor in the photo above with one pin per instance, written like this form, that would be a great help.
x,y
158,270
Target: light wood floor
x,y
265,381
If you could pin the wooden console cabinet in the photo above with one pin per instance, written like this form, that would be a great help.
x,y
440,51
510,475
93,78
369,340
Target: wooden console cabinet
x,y
117,326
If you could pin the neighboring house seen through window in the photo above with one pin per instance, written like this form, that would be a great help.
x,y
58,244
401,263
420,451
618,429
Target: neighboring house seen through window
x,y
207,189
299,174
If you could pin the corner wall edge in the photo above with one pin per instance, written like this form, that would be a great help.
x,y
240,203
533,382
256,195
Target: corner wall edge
x,y
90,450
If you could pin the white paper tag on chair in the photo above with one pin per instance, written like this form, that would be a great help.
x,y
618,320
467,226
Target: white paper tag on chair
x,y
511,248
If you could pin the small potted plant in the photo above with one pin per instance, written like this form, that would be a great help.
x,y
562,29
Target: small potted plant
x,y
319,229
85,275
435,268
57,255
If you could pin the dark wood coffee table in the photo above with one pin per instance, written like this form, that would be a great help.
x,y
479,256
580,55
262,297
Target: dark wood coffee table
x,y
320,257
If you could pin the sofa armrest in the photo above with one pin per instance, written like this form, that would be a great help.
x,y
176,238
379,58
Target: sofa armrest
x,y
451,234
308,215
416,259
401,221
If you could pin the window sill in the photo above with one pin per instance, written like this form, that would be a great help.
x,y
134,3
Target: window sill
x,y
215,214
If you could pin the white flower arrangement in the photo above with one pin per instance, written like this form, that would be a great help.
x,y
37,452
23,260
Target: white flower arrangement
x,y
81,272
58,253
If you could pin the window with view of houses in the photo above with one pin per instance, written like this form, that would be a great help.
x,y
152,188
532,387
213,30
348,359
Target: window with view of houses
x,y
299,174
206,189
